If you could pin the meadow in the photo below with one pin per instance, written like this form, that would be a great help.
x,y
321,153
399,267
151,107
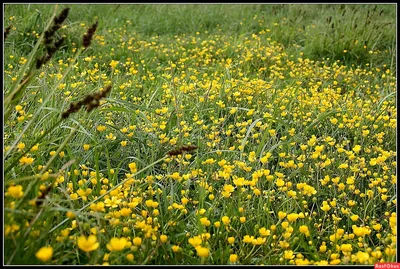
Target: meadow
x,y
199,134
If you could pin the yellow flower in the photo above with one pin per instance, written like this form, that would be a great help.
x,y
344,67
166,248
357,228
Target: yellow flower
x,y
334,237
335,262
117,244
272,132
257,192
111,136
357,148
86,147
204,221
15,191
354,217
70,215
151,203
360,231
21,146
231,240
137,241
346,248
252,156
176,248
362,257
195,241
233,258
113,64
263,231
229,188
133,167
98,207
88,244
304,230
44,254
292,217
163,238
113,202
325,207
280,182
101,128
26,160
350,180
125,212
35,147
264,159
281,215
226,220
285,224
377,227
202,252
351,203
288,254
130,257
343,166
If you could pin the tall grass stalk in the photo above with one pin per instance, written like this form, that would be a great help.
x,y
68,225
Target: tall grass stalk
x,y
16,87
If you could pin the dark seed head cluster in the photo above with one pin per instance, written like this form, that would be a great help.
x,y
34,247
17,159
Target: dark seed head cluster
x,y
91,101
51,45
87,38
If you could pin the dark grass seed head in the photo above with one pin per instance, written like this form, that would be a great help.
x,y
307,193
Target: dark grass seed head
x,y
91,101
59,42
48,37
88,36
7,31
62,17
182,149
40,61
42,196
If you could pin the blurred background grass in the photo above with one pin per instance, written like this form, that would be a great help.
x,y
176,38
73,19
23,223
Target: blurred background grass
x,y
353,33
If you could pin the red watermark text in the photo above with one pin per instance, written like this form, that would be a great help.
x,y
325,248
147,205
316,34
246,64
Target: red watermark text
x,y
387,265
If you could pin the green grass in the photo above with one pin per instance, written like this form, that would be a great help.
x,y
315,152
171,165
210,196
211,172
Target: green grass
x,y
320,31
293,120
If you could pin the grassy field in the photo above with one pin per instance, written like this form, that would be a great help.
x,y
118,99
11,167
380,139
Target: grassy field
x,y
200,134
